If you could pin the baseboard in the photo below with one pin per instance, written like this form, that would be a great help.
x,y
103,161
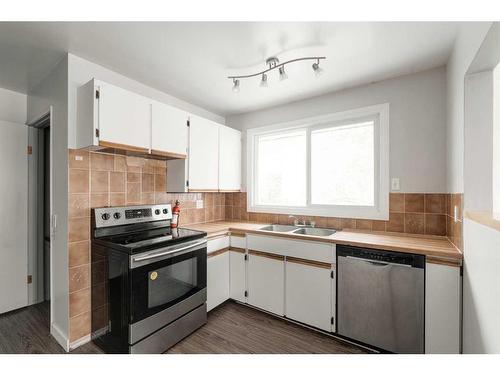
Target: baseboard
x,y
81,341
60,337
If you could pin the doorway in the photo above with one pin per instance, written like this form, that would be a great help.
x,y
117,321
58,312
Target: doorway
x,y
39,212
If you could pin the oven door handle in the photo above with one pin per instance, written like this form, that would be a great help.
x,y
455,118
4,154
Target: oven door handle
x,y
157,255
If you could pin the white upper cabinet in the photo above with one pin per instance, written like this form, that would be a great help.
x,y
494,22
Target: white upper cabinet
x,y
203,154
169,131
229,159
124,118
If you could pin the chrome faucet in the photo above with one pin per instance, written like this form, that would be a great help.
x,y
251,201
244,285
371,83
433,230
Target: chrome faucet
x,y
302,223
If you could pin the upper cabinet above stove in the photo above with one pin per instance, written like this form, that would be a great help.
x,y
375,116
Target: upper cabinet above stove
x,y
109,117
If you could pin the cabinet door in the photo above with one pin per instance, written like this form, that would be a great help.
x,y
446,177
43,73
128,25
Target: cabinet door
x,y
237,274
442,309
124,118
266,281
309,293
229,159
203,154
217,279
169,131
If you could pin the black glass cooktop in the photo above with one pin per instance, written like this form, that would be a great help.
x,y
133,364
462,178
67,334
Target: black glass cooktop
x,y
152,237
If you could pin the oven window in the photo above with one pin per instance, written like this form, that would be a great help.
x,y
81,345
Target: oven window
x,y
171,282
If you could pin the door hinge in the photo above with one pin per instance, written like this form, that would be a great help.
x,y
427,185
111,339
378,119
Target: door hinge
x,y
188,123
97,94
97,133
332,274
332,320
30,150
246,293
30,279
246,256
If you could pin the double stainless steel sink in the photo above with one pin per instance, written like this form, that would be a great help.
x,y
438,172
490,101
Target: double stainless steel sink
x,y
321,232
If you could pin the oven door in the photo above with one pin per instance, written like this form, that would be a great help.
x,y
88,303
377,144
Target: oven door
x,y
164,277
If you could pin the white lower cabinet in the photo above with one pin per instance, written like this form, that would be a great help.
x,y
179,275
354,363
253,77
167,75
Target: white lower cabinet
x,y
308,297
217,279
442,309
266,282
237,274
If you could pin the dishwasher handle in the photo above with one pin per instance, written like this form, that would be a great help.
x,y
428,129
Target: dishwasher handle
x,y
377,262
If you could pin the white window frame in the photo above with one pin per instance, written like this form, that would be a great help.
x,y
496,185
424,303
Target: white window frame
x,y
380,211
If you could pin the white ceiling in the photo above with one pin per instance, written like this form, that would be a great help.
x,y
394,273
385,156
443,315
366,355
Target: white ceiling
x,y
191,60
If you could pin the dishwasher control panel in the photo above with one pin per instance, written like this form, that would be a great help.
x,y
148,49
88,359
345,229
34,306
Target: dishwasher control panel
x,y
413,260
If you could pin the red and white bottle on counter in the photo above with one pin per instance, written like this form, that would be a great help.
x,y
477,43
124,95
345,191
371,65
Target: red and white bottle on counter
x,y
176,211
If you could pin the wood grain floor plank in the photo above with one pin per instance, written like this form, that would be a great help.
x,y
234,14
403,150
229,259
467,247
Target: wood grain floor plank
x,y
231,329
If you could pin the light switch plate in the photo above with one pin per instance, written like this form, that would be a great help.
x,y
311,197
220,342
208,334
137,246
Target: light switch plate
x,y
395,184
199,203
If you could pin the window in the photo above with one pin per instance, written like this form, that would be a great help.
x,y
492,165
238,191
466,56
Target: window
x,y
335,165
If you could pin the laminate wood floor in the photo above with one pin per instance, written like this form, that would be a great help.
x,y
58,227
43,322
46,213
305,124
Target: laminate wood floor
x,y
231,328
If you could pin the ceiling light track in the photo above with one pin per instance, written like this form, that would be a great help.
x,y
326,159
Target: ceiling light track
x,y
273,63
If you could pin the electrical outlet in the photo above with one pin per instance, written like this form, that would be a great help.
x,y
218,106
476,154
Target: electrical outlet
x,y
395,184
199,203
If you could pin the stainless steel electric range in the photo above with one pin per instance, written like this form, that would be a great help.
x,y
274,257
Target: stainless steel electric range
x,y
148,280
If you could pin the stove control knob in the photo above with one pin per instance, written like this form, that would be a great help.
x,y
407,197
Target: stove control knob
x,y
105,216
157,212
165,211
117,215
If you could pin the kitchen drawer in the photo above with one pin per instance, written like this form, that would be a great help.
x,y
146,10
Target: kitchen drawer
x,y
217,243
239,241
321,252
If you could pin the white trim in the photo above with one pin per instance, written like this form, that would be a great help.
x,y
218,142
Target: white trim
x,y
381,209
60,337
79,342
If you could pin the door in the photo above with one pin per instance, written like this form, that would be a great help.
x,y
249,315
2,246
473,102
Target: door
x,y
237,274
124,118
266,281
158,283
14,221
217,279
169,130
229,159
203,154
309,293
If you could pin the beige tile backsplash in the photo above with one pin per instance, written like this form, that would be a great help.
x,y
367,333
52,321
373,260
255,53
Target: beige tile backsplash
x,y
98,179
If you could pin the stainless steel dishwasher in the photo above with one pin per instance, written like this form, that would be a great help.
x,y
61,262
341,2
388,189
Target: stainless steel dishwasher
x,y
380,298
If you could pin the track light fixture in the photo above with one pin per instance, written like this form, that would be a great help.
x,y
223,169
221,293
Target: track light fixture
x,y
274,63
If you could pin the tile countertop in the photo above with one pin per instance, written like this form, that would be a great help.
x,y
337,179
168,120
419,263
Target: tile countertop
x,y
437,249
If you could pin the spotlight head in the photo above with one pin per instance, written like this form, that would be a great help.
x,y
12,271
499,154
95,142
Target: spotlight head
x,y
317,69
236,85
283,75
263,82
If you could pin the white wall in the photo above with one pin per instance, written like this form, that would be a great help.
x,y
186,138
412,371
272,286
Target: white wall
x,y
53,91
81,71
468,41
481,306
478,145
496,140
13,106
417,123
